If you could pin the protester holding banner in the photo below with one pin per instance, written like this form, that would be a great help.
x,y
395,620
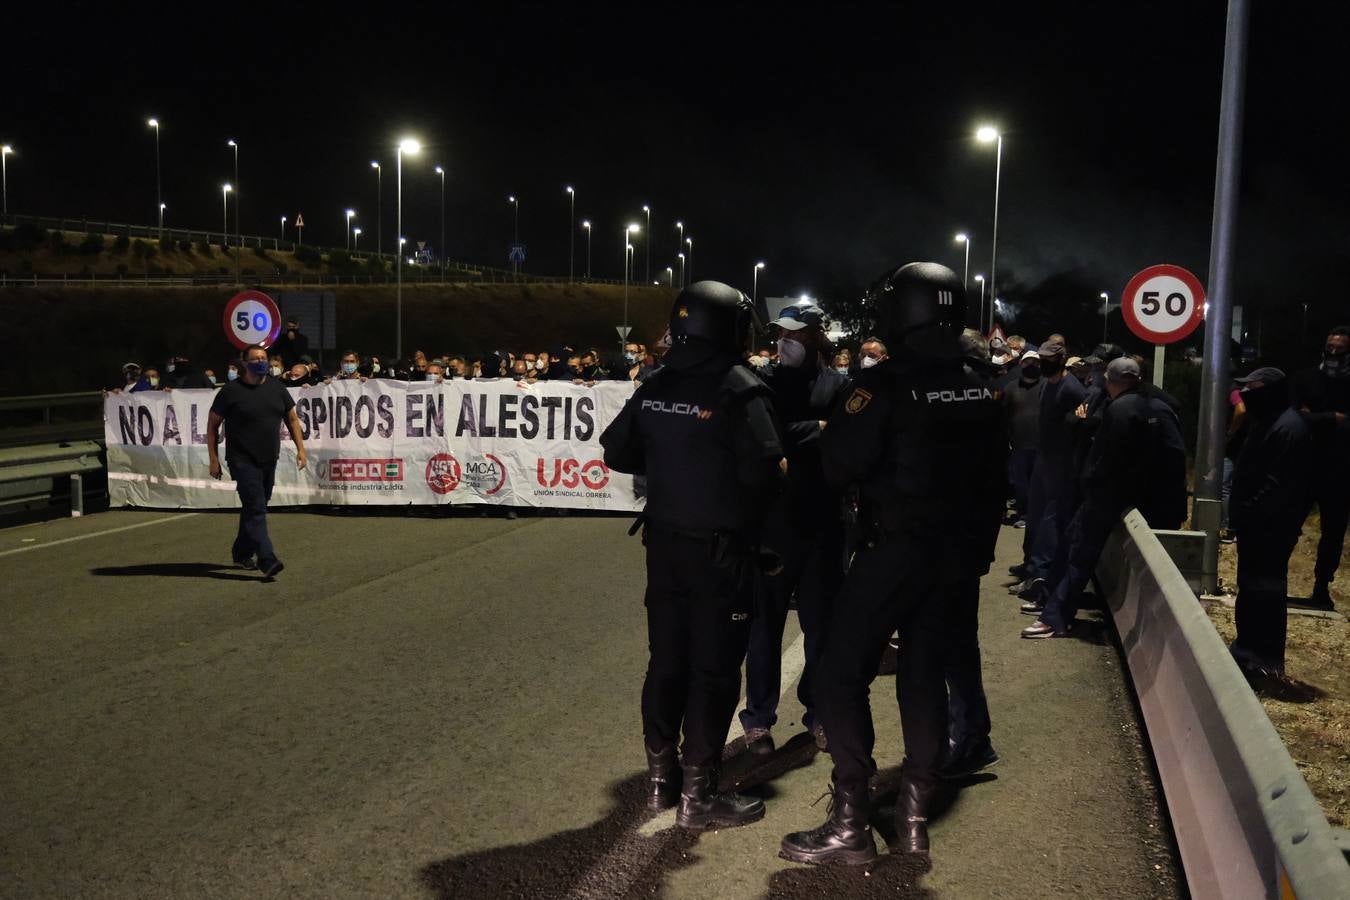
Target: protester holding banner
x,y
252,410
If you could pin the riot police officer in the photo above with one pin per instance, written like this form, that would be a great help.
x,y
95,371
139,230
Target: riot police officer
x,y
703,433
920,437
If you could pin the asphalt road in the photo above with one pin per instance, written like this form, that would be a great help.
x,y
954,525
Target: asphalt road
x,y
448,707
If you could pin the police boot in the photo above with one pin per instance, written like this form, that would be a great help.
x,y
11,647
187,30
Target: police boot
x,y
663,779
844,839
911,816
702,807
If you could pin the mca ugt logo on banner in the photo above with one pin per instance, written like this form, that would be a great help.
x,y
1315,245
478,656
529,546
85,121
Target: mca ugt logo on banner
x,y
443,473
487,474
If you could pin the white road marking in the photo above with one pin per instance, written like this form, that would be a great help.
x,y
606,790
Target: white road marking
x,y
82,537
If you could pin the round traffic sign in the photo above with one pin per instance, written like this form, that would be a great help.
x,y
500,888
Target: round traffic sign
x,y
251,317
1163,304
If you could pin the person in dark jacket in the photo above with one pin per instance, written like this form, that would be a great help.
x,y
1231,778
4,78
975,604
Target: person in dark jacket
x,y
919,438
802,527
1323,396
702,431
181,374
1272,482
292,344
1138,459
1022,411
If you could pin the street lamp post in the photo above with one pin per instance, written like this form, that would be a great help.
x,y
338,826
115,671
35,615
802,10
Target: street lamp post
x,y
350,213
648,210
680,257
754,291
238,232
162,208
571,234
5,151
379,211
159,191
515,232
224,215
679,248
988,134
283,229
689,242
670,277
440,170
587,225
980,279
632,228
356,240
412,148
964,238
1106,313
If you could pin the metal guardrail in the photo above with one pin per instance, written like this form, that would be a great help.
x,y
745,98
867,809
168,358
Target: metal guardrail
x,y
456,271
28,474
1245,821
44,428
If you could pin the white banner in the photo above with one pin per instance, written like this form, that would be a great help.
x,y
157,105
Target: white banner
x,y
383,442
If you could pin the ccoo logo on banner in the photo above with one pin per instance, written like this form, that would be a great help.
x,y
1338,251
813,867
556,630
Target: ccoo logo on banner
x,y
385,442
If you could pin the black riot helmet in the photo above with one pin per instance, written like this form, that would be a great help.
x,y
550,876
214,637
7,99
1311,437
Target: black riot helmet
x,y
711,313
917,295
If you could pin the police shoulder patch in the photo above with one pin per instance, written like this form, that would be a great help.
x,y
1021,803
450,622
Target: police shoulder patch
x,y
857,400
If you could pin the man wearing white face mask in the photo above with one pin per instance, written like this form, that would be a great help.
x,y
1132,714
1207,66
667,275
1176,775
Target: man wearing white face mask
x,y
802,526
872,352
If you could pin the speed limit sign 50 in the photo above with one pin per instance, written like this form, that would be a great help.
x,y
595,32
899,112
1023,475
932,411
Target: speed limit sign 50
x,y
251,317
1163,304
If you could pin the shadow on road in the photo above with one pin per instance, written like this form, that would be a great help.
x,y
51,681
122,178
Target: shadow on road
x,y
176,570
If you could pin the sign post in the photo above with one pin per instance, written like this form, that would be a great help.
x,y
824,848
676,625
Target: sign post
x,y
299,228
251,317
1163,304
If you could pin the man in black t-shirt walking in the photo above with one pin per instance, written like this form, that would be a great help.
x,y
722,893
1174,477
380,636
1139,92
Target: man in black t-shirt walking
x,y
253,408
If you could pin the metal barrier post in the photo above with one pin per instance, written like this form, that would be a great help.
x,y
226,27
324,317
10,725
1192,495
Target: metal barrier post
x,y
76,496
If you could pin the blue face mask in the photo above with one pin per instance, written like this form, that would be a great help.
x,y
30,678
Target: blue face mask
x,y
630,358
231,375
258,367
349,368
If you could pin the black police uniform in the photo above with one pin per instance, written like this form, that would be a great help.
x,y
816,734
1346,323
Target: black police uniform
x,y
702,432
803,528
919,436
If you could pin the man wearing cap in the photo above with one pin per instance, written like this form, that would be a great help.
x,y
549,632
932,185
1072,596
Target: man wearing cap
x,y
1323,396
1271,489
802,526
1138,459
1054,492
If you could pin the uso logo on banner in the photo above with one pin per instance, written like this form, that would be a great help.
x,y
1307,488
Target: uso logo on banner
x,y
569,473
443,473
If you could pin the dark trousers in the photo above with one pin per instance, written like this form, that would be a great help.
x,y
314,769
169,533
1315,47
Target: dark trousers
x,y
254,484
893,586
813,568
1088,532
967,708
1333,502
1021,464
1262,595
1054,495
698,622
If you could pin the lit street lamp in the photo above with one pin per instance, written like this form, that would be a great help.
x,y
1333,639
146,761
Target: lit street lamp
x,y
441,172
159,192
680,257
964,238
670,277
689,242
350,213
754,292
379,210
162,208
980,279
225,214
412,148
571,235
680,247
988,134
5,151
238,235
627,248
283,229
515,232
648,210
356,239
587,225
1106,313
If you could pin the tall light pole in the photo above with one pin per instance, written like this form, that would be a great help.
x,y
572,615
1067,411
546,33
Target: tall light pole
x,y
964,238
680,257
679,248
5,151
162,208
159,192
283,229
412,148
350,214
689,243
224,214
980,279
587,225
670,277
988,134
515,231
1106,312
238,232
440,170
632,228
571,234
356,239
379,211
754,291
648,210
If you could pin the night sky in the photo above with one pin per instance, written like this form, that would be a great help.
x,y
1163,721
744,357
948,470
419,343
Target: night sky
x,y
831,143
